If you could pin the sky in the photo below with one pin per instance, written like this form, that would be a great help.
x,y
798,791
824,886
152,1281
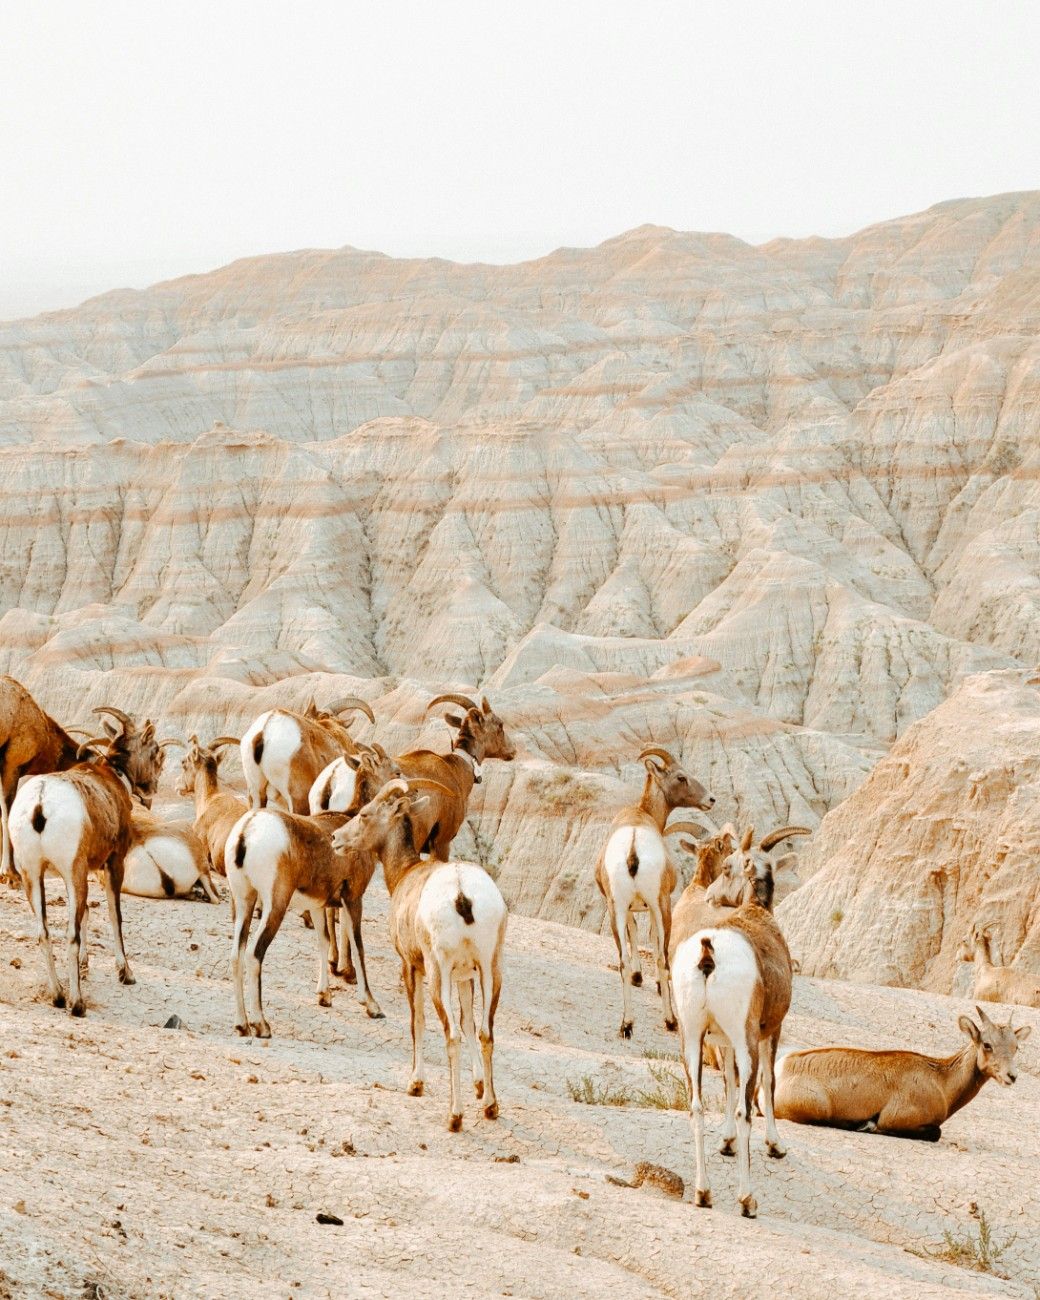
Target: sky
x,y
144,140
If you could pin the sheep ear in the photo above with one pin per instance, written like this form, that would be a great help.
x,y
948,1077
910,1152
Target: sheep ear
x,y
1023,1032
484,704
970,1028
453,720
353,760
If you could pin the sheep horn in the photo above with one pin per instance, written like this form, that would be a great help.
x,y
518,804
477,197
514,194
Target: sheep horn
x,y
397,786
462,700
654,751
983,1017
748,840
87,748
118,714
76,731
166,744
771,840
424,783
350,702
688,828
221,741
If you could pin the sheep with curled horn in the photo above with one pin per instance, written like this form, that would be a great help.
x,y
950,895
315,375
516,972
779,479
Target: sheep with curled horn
x,y
74,822
284,751
728,888
480,735
635,874
217,809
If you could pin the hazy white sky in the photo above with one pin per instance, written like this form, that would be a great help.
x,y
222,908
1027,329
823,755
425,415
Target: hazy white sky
x,y
144,139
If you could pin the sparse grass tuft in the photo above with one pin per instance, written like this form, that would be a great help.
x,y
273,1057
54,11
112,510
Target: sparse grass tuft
x,y
837,916
565,790
667,1090
978,1250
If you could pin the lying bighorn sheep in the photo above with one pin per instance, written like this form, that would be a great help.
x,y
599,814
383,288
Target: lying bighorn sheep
x,y
733,988
480,734
905,1094
283,752
634,872
216,809
448,924
997,983
165,860
75,822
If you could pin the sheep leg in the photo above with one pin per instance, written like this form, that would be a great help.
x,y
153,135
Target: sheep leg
x,y
319,919
774,1146
659,931
274,910
38,900
354,909
632,935
693,1059
440,994
10,875
76,903
413,983
113,878
211,891
729,1128
487,1033
619,924
747,1072
241,918
469,1032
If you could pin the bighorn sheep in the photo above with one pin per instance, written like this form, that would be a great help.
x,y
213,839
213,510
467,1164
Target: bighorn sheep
x,y
283,752
997,983
75,822
904,1094
216,809
480,735
165,860
335,785
448,923
692,912
733,987
727,889
634,872
286,860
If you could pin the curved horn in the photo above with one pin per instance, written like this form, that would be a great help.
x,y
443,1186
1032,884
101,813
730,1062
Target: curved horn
x,y
688,828
771,840
221,741
462,700
86,749
655,751
350,702
983,1017
748,840
424,783
380,751
397,786
118,714
76,731
165,744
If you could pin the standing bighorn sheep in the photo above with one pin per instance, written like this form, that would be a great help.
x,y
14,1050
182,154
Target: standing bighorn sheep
x,y
733,988
634,872
480,734
448,923
75,822
997,983
283,752
216,808
904,1094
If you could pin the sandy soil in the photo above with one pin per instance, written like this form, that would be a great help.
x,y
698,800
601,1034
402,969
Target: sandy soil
x,y
138,1161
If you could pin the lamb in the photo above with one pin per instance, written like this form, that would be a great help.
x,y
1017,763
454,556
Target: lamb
x,y
165,860
283,752
216,808
75,822
997,983
448,924
634,872
903,1094
733,988
480,735
285,860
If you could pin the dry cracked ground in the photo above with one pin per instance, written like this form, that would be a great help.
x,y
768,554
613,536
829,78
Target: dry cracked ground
x,y
774,507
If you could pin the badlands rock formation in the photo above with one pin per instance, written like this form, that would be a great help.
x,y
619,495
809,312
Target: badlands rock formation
x,y
767,506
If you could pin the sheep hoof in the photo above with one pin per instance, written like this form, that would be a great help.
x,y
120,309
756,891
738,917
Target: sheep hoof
x,y
775,1150
58,999
78,1009
702,1199
242,1031
748,1207
375,1013
637,978
348,976
672,1026
727,1147
478,1088
325,999
626,1029
491,1110
125,977
261,1029
454,1123
415,1088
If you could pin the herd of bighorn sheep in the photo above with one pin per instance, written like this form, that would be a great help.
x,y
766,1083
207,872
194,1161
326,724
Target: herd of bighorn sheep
x,y
324,810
